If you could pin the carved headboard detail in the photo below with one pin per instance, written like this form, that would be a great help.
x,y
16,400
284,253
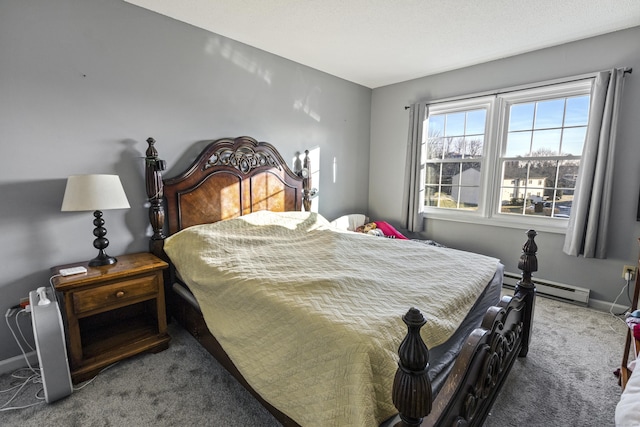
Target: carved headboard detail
x,y
243,158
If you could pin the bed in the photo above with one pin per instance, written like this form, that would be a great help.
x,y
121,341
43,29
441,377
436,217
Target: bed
x,y
363,353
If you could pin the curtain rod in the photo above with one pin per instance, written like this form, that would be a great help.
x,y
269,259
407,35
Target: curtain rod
x,y
627,70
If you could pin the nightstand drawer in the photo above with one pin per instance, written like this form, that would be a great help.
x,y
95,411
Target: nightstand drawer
x,y
107,296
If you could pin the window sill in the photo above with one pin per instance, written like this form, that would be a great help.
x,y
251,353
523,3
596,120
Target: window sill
x,y
547,225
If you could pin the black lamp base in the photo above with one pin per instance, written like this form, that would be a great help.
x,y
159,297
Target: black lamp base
x,y
102,259
100,243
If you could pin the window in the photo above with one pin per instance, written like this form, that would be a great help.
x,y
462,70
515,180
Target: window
x,y
507,155
541,153
454,152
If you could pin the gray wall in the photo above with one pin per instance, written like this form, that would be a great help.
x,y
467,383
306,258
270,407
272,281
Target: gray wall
x,y
389,126
83,83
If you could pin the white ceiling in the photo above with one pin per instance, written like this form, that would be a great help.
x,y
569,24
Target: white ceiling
x,y
379,42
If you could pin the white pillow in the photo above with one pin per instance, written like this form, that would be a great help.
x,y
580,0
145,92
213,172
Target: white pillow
x,y
350,222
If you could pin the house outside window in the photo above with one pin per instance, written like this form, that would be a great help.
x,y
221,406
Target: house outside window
x,y
509,157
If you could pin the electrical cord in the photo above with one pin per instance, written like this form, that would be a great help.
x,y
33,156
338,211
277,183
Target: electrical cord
x,y
20,330
86,383
53,288
618,315
34,376
35,379
24,354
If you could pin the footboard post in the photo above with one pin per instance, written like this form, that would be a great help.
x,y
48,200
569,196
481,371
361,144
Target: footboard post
x,y
528,264
155,191
411,386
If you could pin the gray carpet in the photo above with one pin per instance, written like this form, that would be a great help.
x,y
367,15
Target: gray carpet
x,y
567,377
566,380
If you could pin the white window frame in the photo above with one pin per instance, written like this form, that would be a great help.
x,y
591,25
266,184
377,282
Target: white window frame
x,y
497,104
488,103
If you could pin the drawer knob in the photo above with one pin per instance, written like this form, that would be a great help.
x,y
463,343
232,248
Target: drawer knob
x,y
119,294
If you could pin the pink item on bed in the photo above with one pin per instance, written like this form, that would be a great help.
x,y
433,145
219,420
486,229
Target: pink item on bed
x,y
389,231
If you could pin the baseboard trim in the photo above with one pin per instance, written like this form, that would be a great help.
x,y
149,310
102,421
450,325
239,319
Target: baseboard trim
x,y
11,364
593,303
607,306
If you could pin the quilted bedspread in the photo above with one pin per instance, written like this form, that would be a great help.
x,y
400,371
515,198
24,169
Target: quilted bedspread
x,y
312,316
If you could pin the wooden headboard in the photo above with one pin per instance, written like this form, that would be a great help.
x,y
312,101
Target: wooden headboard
x,y
231,177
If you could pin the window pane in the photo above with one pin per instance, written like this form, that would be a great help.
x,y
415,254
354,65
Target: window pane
x,y
432,174
476,122
515,170
473,146
518,144
549,114
573,141
562,210
513,186
444,198
563,197
467,197
436,126
512,197
470,175
430,198
521,117
449,170
546,142
453,148
542,173
568,174
562,205
577,111
454,125
435,148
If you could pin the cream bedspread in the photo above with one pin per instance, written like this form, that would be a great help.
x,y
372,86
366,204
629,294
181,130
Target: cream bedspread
x,y
311,316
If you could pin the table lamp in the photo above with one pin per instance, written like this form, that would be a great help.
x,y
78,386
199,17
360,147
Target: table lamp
x,y
95,193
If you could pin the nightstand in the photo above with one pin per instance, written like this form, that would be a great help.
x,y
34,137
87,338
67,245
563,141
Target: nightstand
x,y
112,312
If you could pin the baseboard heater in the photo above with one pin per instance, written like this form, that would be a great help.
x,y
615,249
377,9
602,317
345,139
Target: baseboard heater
x,y
560,291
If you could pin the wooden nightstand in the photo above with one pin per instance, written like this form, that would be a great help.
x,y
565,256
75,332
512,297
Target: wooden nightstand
x,y
112,312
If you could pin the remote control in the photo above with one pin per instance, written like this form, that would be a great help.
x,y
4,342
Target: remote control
x,y
72,270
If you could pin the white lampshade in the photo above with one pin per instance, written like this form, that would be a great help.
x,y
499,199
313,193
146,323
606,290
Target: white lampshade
x,y
94,193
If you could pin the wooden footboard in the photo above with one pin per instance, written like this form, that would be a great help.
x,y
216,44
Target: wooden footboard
x,y
249,167
480,369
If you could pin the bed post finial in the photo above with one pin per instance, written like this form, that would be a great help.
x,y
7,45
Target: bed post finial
x,y
411,386
155,192
526,288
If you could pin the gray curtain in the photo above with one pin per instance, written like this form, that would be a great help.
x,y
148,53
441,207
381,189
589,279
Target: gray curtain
x,y
411,216
589,221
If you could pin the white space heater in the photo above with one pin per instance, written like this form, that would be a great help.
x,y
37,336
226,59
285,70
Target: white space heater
x,y
48,332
